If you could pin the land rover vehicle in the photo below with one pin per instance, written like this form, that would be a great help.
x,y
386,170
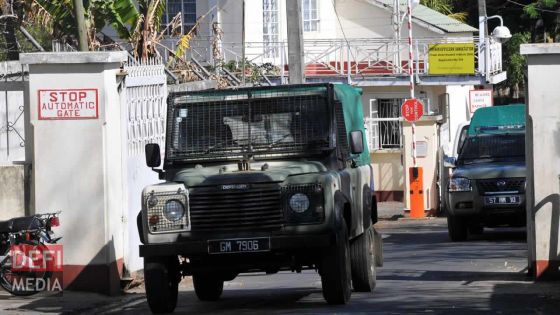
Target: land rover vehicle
x,y
261,179
487,186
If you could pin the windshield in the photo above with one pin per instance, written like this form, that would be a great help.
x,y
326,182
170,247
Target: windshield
x,y
252,127
493,147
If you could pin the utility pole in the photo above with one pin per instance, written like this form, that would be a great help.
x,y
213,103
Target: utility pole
x,y
295,41
80,20
243,44
482,35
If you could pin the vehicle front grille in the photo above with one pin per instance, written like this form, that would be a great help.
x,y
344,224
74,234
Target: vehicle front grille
x,y
489,186
236,207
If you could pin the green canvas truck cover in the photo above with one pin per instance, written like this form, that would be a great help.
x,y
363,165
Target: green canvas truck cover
x,y
351,99
498,119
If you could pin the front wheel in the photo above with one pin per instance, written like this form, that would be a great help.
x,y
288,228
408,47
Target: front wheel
x,y
362,252
335,270
162,277
457,227
208,287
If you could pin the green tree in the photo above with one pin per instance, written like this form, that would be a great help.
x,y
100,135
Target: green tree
x,y
446,7
515,64
137,24
9,23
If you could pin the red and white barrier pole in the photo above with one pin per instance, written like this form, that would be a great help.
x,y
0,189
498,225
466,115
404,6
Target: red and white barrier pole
x,y
411,73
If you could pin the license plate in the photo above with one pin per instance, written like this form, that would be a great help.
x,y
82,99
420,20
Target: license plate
x,y
502,200
242,245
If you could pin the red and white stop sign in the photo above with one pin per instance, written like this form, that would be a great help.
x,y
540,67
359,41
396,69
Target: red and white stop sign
x,y
412,109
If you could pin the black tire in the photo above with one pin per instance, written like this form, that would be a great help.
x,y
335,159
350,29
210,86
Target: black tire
x,y
15,281
336,271
362,256
207,287
476,230
10,280
162,277
457,227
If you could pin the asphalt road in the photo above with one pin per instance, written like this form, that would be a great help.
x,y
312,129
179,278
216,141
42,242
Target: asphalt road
x,y
424,273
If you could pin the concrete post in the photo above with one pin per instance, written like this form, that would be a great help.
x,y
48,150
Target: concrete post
x,y
76,153
543,159
295,41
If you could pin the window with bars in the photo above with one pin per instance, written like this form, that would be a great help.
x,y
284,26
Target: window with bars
x,y
384,125
310,15
188,10
270,28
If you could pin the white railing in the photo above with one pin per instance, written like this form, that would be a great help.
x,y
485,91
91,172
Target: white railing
x,y
338,57
146,108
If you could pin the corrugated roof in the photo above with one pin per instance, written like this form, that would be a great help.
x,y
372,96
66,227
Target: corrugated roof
x,y
432,17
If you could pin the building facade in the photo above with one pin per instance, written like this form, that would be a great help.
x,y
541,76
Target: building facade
x,y
365,43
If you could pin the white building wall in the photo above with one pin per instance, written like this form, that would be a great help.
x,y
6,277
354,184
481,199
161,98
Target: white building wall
x,y
356,19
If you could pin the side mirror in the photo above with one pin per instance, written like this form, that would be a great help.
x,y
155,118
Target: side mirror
x,y
356,142
153,155
449,161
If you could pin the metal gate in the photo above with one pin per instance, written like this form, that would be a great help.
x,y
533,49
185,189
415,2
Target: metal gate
x,y
13,79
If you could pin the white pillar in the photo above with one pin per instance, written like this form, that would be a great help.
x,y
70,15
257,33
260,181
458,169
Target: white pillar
x,y
76,152
543,159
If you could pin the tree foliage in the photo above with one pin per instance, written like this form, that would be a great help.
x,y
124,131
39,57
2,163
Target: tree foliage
x,y
139,25
446,7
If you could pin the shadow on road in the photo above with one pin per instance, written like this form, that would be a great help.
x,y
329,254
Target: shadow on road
x,y
469,276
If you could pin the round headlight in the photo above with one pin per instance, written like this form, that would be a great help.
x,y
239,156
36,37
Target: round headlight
x,y
299,202
173,210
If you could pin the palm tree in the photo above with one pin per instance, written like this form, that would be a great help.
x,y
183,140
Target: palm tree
x,y
138,25
445,7
9,22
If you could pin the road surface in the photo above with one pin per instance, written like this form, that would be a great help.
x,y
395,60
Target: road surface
x,y
424,273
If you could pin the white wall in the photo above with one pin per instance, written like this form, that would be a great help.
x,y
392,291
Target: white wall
x,y
543,159
77,166
356,19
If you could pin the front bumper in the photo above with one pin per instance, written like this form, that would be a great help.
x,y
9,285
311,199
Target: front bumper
x,y
473,204
278,243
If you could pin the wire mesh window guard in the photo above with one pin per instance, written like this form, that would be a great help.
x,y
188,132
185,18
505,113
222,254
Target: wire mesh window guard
x,y
248,123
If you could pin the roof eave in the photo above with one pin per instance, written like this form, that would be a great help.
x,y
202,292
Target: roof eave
x,y
420,22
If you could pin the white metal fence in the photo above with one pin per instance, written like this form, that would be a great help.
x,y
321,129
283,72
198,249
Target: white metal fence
x,y
146,93
13,78
354,57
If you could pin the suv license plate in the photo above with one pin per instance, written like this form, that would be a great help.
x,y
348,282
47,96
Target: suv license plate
x,y
241,245
502,200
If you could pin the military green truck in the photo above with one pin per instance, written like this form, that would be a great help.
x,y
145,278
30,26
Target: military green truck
x,y
487,186
261,179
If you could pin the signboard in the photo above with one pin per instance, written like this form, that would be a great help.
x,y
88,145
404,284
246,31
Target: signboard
x,y
479,99
421,149
412,110
451,58
64,104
